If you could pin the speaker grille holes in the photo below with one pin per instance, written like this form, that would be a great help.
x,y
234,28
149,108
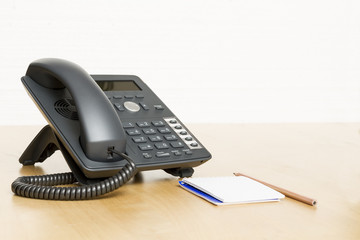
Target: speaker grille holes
x,y
66,108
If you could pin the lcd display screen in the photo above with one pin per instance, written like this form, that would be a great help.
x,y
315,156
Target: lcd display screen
x,y
118,85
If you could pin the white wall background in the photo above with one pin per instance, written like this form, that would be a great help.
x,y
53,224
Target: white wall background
x,y
210,61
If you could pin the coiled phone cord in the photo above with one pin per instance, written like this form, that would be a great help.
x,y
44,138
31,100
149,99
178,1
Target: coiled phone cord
x,y
44,186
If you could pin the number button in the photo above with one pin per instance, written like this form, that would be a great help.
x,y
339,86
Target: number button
x,y
145,147
139,139
128,125
143,124
161,146
149,131
158,123
133,132
171,137
164,130
155,138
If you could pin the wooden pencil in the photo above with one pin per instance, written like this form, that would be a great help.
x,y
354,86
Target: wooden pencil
x,y
287,193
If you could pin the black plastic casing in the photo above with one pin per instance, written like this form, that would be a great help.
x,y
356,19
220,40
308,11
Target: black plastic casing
x,y
69,131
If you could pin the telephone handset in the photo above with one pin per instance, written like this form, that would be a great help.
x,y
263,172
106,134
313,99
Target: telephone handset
x,y
108,128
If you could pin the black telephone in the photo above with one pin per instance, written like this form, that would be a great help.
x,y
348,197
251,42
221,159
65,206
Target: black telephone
x,y
108,128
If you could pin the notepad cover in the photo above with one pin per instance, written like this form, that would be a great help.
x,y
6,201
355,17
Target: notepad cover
x,y
230,190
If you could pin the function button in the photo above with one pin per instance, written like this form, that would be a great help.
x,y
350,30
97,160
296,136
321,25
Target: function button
x,y
139,139
129,96
188,152
161,145
144,106
117,97
155,138
171,137
131,106
162,154
176,153
133,132
128,125
177,144
178,127
158,123
139,96
183,132
147,155
188,138
149,131
194,144
145,147
158,107
143,124
172,121
119,107
164,130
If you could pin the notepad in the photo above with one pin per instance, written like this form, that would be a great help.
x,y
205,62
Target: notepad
x,y
230,190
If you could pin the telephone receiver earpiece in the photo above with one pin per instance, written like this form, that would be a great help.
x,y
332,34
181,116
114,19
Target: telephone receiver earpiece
x,y
100,126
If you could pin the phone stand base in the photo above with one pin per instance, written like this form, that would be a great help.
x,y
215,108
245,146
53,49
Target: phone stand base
x,y
44,145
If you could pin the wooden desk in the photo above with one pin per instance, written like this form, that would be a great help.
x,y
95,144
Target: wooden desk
x,y
318,160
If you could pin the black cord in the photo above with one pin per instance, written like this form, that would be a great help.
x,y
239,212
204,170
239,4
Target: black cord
x,y
44,186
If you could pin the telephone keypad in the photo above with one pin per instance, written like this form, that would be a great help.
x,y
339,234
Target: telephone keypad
x,y
161,138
